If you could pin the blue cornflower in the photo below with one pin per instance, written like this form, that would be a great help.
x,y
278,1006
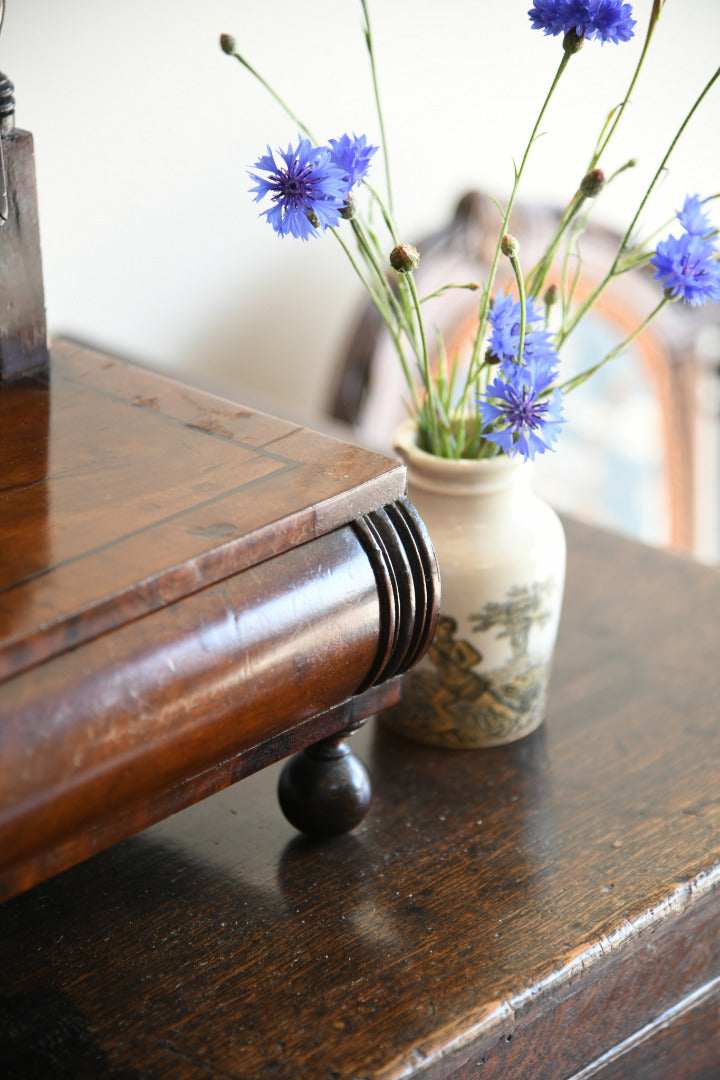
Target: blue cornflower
x,y
307,192
693,218
687,265
352,154
601,20
608,20
504,343
687,268
518,413
504,319
549,16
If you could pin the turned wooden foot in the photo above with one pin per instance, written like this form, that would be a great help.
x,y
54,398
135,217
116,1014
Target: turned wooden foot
x,y
325,790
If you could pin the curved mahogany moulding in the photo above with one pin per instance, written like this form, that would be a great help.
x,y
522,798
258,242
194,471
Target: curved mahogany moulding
x,y
189,591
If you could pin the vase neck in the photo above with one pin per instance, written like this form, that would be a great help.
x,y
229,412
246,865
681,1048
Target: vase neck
x,y
446,476
494,477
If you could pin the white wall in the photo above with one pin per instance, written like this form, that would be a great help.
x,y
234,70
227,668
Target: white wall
x,y
144,130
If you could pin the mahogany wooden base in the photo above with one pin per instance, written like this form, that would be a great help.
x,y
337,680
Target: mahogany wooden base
x,y
189,591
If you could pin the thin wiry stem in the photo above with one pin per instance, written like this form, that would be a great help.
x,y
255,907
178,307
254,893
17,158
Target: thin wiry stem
x,y
425,359
386,316
523,304
539,274
624,243
485,305
578,380
273,93
610,130
378,103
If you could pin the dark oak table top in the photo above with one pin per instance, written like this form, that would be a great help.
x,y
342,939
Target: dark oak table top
x,y
547,909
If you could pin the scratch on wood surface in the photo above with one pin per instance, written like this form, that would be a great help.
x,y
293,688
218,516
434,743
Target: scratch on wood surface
x,y
197,1061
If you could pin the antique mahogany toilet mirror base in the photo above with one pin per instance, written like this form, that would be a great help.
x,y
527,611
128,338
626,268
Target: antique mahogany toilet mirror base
x,y
189,590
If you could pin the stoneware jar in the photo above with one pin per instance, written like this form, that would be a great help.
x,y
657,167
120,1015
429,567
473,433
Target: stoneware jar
x,y
501,554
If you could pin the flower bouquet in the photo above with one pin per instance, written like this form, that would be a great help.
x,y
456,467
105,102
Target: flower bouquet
x,y
479,415
507,396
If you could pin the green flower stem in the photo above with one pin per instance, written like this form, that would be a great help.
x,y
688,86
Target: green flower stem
x,y
523,304
578,380
387,216
662,166
485,306
567,293
366,249
606,135
410,317
539,273
471,286
378,104
425,362
391,316
273,93
621,169
376,299
425,365
624,243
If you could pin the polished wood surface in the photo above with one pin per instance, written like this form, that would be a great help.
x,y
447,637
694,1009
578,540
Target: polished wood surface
x,y
189,590
123,491
544,910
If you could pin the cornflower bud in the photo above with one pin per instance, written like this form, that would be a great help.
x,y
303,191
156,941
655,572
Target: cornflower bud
x,y
573,42
592,183
551,295
227,43
509,245
404,258
348,210
491,358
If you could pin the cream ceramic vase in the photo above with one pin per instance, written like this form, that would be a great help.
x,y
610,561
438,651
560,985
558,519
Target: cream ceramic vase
x,y
501,554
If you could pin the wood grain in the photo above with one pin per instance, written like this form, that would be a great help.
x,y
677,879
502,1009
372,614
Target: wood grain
x,y
142,491
188,591
537,910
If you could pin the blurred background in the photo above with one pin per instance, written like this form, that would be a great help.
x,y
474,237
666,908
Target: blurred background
x,y
144,130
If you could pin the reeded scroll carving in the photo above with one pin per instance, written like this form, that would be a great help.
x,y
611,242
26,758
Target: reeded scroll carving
x,y
403,560
325,790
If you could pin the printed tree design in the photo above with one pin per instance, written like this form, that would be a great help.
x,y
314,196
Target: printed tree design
x,y
516,616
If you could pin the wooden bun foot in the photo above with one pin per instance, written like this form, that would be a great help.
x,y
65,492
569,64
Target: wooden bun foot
x,y
325,790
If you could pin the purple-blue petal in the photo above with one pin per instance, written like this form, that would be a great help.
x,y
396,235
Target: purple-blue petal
x,y
352,154
304,186
602,20
517,414
693,218
688,270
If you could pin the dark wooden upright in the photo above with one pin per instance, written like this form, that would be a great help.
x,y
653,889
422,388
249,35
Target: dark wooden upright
x,y
542,911
23,335
189,590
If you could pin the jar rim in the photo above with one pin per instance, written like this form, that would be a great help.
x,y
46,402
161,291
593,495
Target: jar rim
x,y
468,469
